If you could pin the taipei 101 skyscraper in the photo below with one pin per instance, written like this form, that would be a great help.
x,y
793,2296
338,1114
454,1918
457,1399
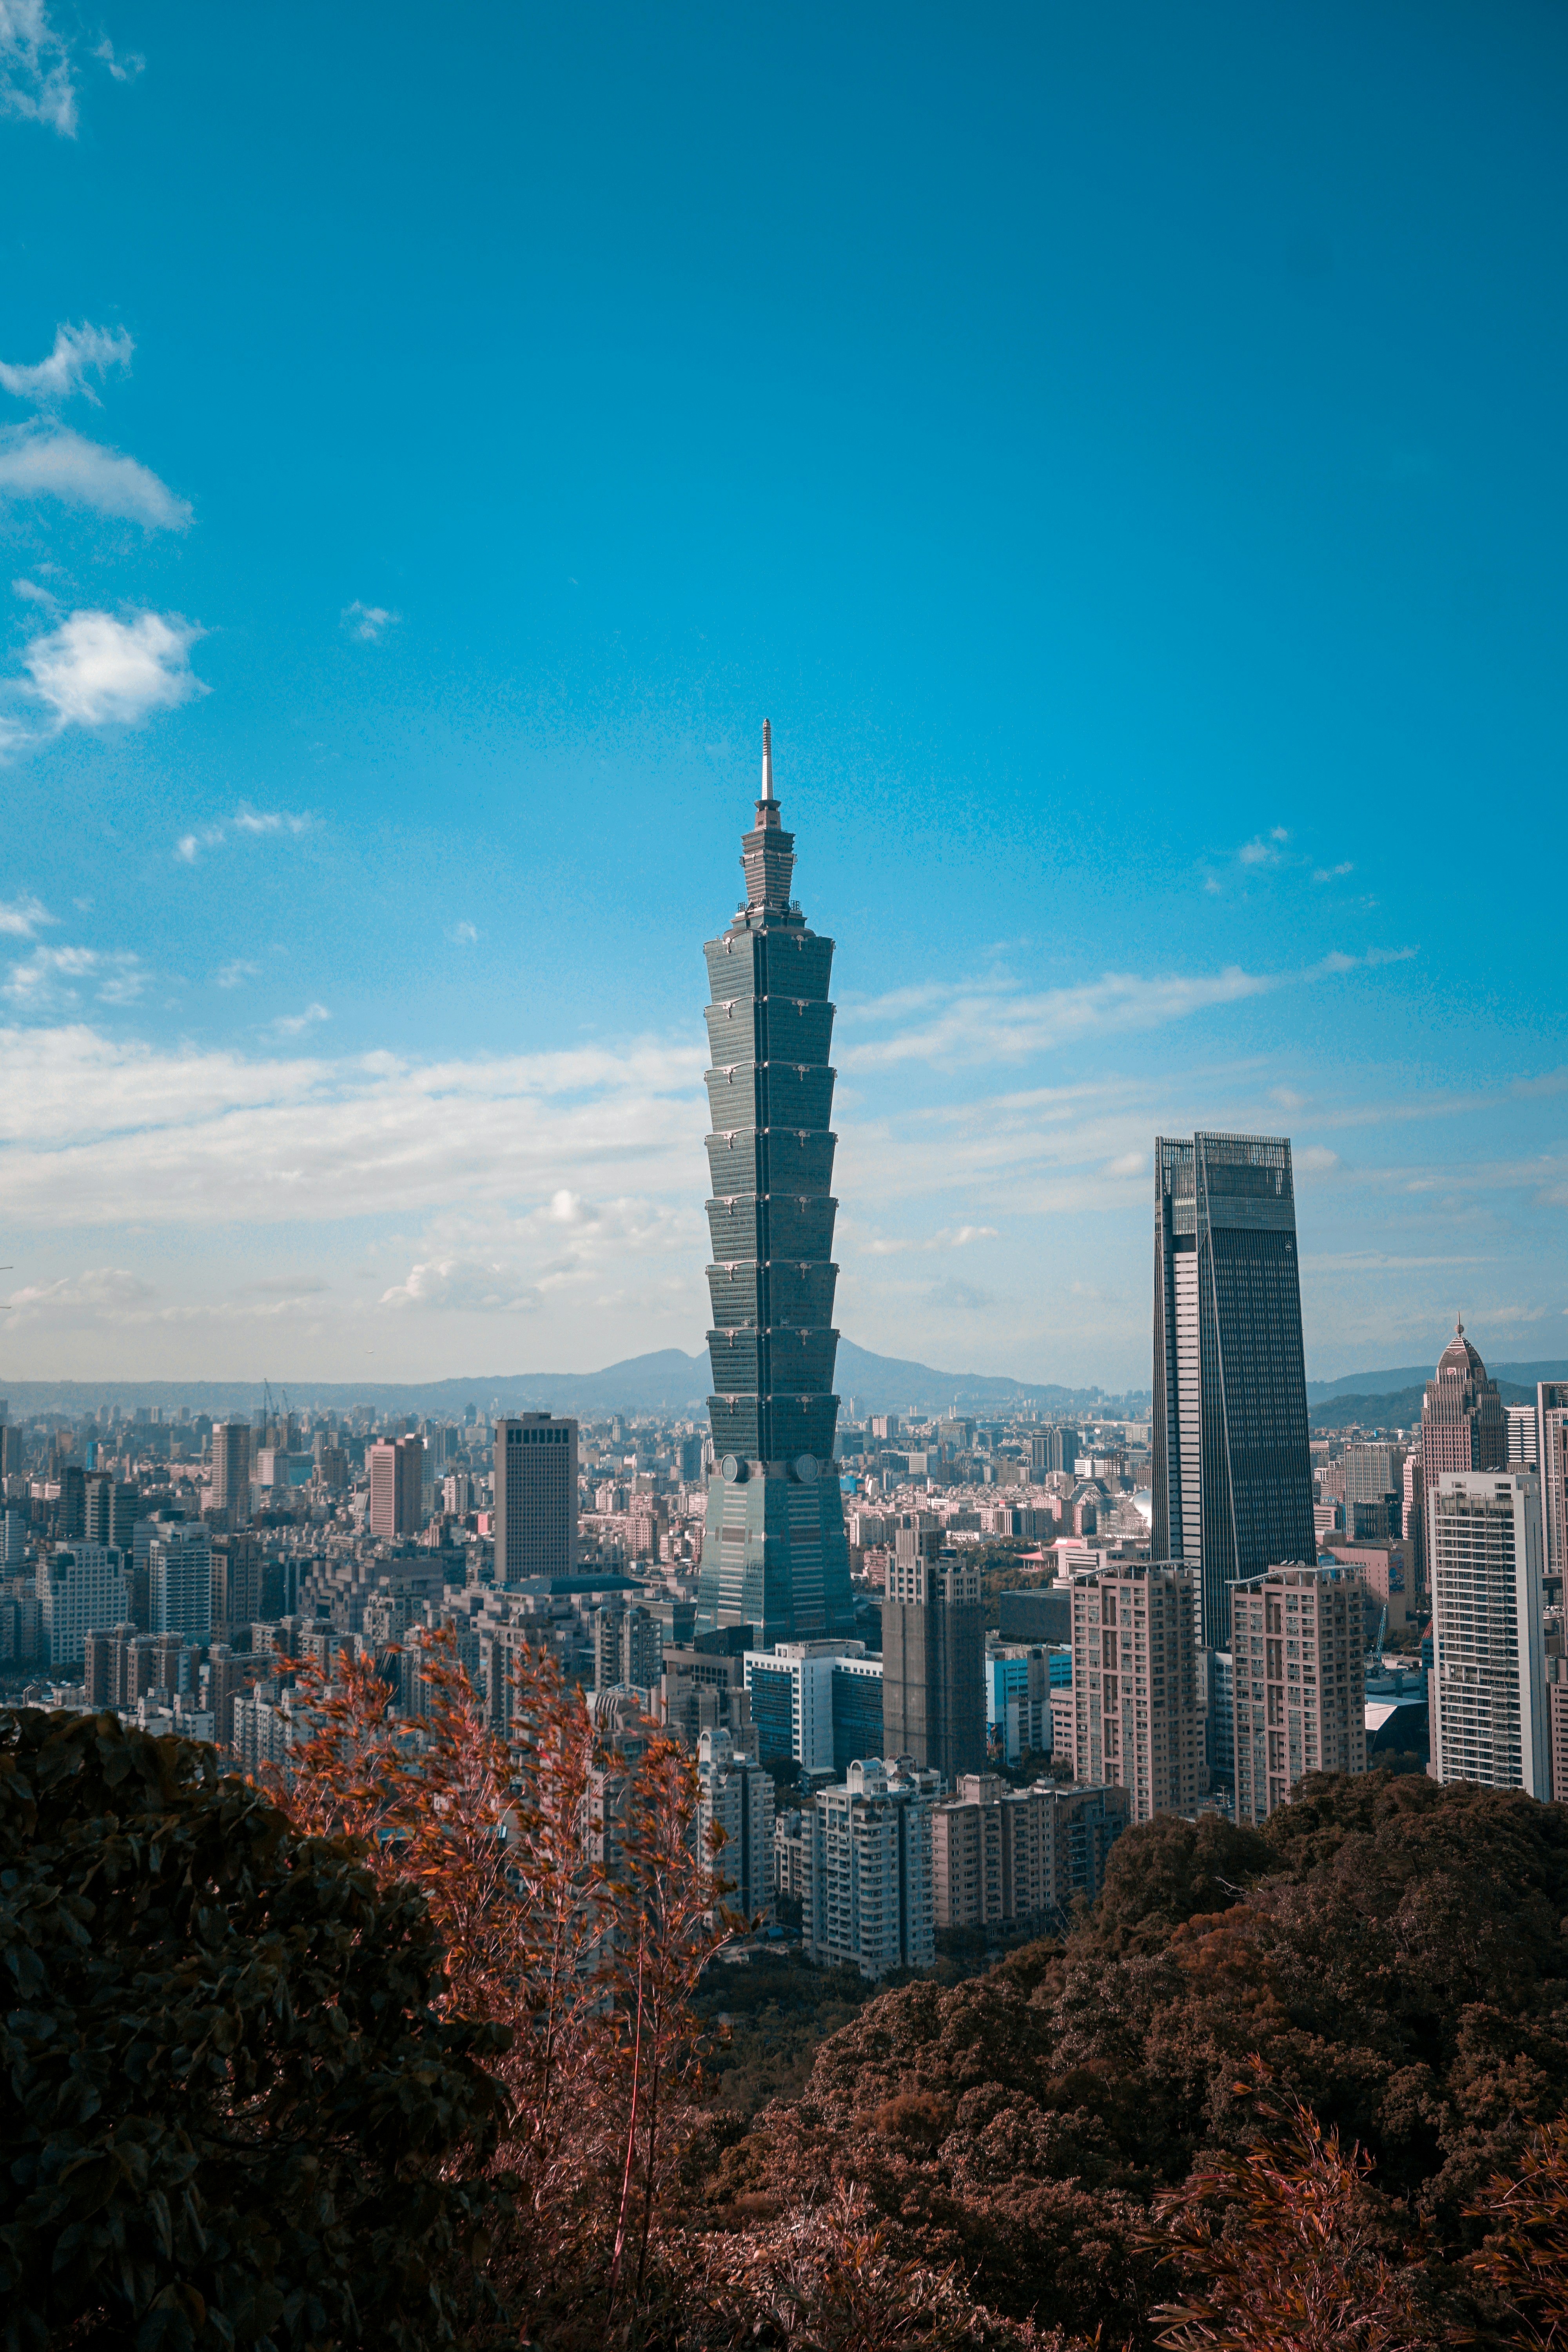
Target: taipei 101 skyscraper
x,y
775,1556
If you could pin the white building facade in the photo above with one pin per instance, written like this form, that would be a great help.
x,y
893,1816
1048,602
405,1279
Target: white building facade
x,y
1488,1683
81,1589
872,1901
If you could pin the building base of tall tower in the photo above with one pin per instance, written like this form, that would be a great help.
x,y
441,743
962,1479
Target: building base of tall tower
x,y
775,1556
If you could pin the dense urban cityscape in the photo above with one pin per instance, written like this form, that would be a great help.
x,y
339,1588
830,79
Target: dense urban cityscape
x,y
928,1667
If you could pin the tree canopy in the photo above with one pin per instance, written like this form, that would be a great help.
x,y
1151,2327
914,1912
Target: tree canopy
x,y
226,2098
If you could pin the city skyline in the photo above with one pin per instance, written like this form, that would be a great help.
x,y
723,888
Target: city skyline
x,y
1147,616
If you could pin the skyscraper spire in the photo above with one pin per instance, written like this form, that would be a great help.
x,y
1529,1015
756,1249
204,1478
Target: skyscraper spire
x,y
767,762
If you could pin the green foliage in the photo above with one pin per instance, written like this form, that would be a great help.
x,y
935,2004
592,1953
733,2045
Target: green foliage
x,y
1394,1950
228,2106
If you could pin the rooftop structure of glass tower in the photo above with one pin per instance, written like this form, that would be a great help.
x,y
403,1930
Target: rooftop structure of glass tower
x,y
774,1554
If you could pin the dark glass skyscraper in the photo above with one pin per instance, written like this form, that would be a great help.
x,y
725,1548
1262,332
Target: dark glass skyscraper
x,y
774,1554
1233,1469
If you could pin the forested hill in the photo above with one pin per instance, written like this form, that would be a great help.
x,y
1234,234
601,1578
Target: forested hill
x,y
1395,1952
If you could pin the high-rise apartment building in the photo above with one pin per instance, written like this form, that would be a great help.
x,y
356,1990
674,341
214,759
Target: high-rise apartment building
x,y
535,1496
1233,1474
934,1659
1000,1856
1524,1437
81,1588
1487,1684
870,1902
1551,1459
397,1483
1463,1426
1298,1688
180,1580
236,1580
736,1796
1136,1711
231,1471
774,1553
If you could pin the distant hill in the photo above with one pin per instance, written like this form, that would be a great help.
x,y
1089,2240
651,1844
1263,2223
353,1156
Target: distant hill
x,y
1416,1376
667,1382
1401,1408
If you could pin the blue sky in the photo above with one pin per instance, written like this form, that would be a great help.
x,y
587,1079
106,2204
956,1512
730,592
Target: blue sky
x,y
1120,448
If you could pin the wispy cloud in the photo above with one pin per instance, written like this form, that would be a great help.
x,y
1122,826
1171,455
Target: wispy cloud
x,y
1334,873
368,623
233,975
79,352
23,919
255,824
36,83
51,977
951,1237
1264,849
293,1024
125,68
463,934
991,1021
50,461
96,671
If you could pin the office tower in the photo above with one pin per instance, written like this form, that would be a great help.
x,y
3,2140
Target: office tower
x,y
98,1516
1300,1690
180,1580
535,1496
1551,1458
934,1659
1488,1691
858,1730
775,1555
397,1480
73,1501
1233,1474
82,1588
870,1903
231,1471
1374,1491
791,1688
1462,1423
735,1795
1137,1717
1000,1856
1056,1448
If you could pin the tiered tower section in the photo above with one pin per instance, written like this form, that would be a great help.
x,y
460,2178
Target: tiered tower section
x,y
774,1554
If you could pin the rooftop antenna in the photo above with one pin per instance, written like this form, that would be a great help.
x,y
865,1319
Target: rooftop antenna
x,y
767,762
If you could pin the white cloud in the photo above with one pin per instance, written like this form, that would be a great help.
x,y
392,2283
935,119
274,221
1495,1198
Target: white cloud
x,y
54,976
31,593
991,1021
96,671
1332,873
293,1024
125,68
366,623
256,822
78,352
249,820
22,918
1316,1158
34,68
230,975
98,1287
951,1237
468,1285
50,461
463,934
1128,1164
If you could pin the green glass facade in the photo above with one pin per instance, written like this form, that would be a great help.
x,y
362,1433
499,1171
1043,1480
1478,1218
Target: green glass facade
x,y
774,1554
